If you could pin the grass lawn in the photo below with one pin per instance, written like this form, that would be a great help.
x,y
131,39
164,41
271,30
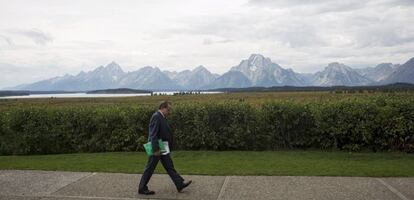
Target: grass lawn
x,y
294,163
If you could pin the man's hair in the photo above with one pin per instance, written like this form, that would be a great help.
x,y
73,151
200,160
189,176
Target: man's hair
x,y
164,104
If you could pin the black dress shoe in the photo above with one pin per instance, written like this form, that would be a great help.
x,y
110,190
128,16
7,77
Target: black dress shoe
x,y
184,185
146,192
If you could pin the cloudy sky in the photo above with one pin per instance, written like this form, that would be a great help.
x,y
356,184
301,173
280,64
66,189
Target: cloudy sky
x,y
45,38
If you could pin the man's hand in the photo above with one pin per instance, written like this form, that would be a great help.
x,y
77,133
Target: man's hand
x,y
157,153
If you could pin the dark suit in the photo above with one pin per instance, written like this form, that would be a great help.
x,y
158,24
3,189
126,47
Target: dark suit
x,y
159,129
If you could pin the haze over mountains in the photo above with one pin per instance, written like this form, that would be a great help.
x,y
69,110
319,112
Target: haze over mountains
x,y
257,70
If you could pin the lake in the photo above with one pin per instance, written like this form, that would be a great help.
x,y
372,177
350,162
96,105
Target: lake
x,y
84,95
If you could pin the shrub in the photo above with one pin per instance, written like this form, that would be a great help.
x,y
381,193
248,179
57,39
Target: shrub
x,y
383,123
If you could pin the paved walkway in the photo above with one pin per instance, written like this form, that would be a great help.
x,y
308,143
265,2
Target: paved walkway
x,y
46,185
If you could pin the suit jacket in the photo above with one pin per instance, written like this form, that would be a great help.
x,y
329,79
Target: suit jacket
x,y
159,129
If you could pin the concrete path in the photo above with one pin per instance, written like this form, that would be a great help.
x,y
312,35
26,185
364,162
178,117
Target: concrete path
x,y
46,185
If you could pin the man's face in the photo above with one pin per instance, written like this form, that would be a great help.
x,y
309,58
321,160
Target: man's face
x,y
169,109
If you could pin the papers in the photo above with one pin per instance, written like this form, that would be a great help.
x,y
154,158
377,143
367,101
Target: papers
x,y
166,149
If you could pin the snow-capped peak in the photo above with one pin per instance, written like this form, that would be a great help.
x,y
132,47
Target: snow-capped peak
x,y
255,57
335,66
200,68
253,68
114,67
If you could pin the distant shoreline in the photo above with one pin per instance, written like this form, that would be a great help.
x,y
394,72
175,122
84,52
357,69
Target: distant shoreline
x,y
119,91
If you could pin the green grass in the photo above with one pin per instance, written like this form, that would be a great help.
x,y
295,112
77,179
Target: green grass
x,y
292,163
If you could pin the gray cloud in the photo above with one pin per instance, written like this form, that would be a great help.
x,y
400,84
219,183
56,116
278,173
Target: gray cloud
x,y
38,36
209,41
285,3
381,37
400,2
313,7
8,40
257,28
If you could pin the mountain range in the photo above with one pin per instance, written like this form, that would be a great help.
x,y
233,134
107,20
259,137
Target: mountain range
x,y
256,71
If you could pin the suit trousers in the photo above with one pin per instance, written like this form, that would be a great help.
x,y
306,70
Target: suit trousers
x,y
168,166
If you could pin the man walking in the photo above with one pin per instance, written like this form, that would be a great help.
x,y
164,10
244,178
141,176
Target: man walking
x,y
159,129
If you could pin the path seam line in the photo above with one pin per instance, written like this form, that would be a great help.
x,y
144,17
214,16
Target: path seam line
x,y
223,188
392,189
77,181
88,197
75,197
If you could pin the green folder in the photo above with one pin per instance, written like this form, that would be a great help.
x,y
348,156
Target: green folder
x,y
148,147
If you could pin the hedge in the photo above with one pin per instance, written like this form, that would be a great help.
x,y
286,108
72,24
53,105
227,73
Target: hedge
x,y
375,124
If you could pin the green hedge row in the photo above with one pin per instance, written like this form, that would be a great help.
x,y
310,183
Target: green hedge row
x,y
379,124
